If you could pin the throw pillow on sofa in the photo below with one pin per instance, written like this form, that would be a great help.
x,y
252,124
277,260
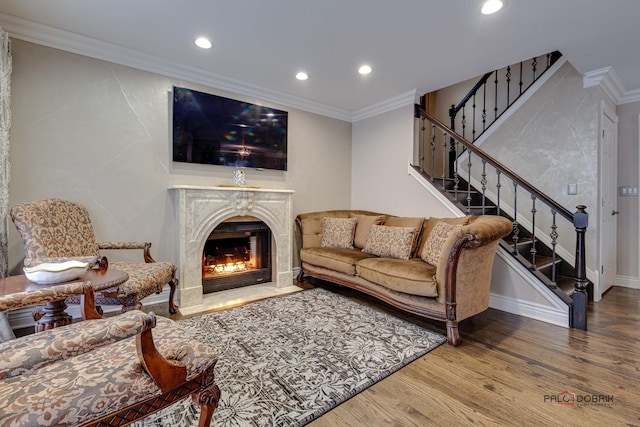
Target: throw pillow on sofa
x,y
391,242
363,226
433,246
402,221
338,232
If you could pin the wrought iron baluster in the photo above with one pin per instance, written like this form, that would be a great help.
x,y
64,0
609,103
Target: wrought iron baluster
x,y
554,242
508,75
534,67
498,185
533,250
422,146
483,181
484,106
469,182
444,158
433,151
473,121
495,108
464,121
516,227
521,82
456,177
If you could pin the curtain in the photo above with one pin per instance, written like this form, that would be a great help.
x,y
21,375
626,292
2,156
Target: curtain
x,y
5,123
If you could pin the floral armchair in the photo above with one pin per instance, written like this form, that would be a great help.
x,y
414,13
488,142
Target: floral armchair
x,y
55,230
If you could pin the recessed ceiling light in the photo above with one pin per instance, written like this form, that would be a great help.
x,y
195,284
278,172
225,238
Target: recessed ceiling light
x,y
302,76
491,6
203,42
365,69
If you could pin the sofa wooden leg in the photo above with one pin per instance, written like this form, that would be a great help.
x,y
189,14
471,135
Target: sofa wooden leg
x,y
300,277
453,335
173,285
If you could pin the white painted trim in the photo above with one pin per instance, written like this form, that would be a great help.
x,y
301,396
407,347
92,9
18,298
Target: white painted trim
x,y
526,275
530,310
407,98
557,313
435,192
611,84
48,36
628,282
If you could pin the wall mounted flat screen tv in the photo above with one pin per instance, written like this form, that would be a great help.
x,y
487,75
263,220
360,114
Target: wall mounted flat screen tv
x,y
214,130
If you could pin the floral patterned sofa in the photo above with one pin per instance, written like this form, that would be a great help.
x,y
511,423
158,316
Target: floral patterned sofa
x,y
439,268
104,372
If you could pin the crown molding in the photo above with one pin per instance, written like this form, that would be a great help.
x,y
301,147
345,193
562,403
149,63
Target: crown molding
x,y
611,84
410,97
52,37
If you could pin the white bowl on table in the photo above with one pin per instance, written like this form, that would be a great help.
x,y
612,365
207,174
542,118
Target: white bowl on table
x,y
56,272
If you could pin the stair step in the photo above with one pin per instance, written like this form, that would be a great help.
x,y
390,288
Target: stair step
x,y
567,284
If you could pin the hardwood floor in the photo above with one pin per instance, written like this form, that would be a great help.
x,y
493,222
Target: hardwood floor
x,y
508,369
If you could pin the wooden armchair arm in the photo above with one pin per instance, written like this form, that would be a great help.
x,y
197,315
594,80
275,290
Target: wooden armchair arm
x,y
145,246
166,374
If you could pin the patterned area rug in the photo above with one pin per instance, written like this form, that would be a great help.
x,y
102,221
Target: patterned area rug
x,y
287,360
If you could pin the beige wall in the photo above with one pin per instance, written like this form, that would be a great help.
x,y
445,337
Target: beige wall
x,y
99,133
382,151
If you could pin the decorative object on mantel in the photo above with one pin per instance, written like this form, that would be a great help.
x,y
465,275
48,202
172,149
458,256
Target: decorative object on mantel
x,y
238,177
323,346
55,272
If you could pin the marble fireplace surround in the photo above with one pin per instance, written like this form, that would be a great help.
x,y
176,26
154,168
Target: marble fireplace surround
x,y
201,209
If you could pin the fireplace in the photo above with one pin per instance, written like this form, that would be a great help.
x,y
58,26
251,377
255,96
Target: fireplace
x,y
237,253
200,210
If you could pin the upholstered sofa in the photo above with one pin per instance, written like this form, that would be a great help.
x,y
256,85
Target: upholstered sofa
x,y
438,268
104,372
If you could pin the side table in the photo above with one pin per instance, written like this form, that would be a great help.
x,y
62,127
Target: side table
x,y
18,291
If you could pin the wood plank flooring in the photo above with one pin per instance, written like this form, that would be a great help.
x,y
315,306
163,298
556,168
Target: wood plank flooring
x,y
506,371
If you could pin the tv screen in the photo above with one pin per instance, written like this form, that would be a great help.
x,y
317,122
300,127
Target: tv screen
x,y
214,130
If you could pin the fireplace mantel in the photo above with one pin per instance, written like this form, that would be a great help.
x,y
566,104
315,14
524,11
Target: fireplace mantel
x,y
200,209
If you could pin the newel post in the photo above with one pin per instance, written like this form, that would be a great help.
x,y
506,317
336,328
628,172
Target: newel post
x,y
580,296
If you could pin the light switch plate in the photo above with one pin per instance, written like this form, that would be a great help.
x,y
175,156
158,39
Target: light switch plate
x,y
572,189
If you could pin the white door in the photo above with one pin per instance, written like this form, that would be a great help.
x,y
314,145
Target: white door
x,y
608,199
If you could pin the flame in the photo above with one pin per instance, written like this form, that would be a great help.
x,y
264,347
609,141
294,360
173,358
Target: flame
x,y
229,267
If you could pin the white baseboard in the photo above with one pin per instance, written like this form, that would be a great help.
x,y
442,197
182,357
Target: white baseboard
x,y
628,282
555,316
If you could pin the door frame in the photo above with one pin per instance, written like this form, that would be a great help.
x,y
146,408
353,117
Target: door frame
x,y
606,113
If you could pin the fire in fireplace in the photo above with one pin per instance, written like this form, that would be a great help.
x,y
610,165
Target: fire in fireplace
x,y
237,253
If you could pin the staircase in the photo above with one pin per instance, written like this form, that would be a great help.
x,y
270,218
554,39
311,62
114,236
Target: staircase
x,y
540,230
552,270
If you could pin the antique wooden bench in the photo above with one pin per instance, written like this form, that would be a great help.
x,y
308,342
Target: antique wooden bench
x,y
104,372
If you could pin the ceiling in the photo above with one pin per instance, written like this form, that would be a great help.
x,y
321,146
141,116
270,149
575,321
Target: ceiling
x,y
423,44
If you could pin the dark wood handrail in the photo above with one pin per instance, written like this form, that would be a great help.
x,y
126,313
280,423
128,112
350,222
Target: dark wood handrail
x,y
421,113
453,111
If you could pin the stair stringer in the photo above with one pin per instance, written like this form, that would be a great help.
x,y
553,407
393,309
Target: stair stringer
x,y
538,303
